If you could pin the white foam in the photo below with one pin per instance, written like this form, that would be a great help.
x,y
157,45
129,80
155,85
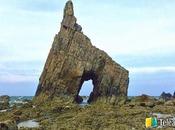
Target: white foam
x,y
28,124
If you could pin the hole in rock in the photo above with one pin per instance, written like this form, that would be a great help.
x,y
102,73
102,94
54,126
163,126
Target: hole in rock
x,y
85,91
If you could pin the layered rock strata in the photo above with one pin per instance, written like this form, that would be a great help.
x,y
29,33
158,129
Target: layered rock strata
x,y
73,60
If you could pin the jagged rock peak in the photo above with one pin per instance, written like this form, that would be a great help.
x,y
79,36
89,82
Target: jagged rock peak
x,y
69,9
69,20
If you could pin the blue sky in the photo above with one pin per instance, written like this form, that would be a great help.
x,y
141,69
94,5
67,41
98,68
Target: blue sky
x,y
137,34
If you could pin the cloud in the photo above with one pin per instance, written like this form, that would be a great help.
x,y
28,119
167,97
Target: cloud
x,y
18,72
138,37
18,88
151,82
128,28
131,28
144,60
152,69
26,35
34,6
11,78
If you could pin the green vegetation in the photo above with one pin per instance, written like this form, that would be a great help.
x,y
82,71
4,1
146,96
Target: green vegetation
x,y
62,114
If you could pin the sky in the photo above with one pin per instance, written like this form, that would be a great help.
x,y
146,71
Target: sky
x,y
138,34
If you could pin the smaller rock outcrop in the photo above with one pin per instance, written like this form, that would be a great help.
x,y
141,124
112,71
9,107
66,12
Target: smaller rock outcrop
x,y
166,96
143,100
4,102
8,125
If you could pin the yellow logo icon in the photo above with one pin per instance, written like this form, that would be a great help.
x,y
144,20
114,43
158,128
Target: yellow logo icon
x,y
151,122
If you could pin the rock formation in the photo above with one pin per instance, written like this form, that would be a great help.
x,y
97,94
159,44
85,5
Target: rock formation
x,y
73,60
8,125
4,102
166,96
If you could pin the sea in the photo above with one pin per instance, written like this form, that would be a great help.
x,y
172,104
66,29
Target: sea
x,y
24,99
19,99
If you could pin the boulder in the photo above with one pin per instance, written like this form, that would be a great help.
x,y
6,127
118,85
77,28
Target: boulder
x,y
4,98
73,60
143,100
4,102
150,104
160,102
8,125
166,96
17,112
170,103
79,99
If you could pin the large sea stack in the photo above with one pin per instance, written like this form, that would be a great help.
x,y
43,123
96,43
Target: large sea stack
x,y
73,60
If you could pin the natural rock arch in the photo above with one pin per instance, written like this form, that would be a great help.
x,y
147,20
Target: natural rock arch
x,y
73,60
85,77
85,91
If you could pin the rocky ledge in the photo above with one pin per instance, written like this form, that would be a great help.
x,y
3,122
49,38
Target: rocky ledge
x,y
61,113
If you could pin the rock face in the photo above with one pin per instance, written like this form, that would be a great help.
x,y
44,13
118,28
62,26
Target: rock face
x,y
73,60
